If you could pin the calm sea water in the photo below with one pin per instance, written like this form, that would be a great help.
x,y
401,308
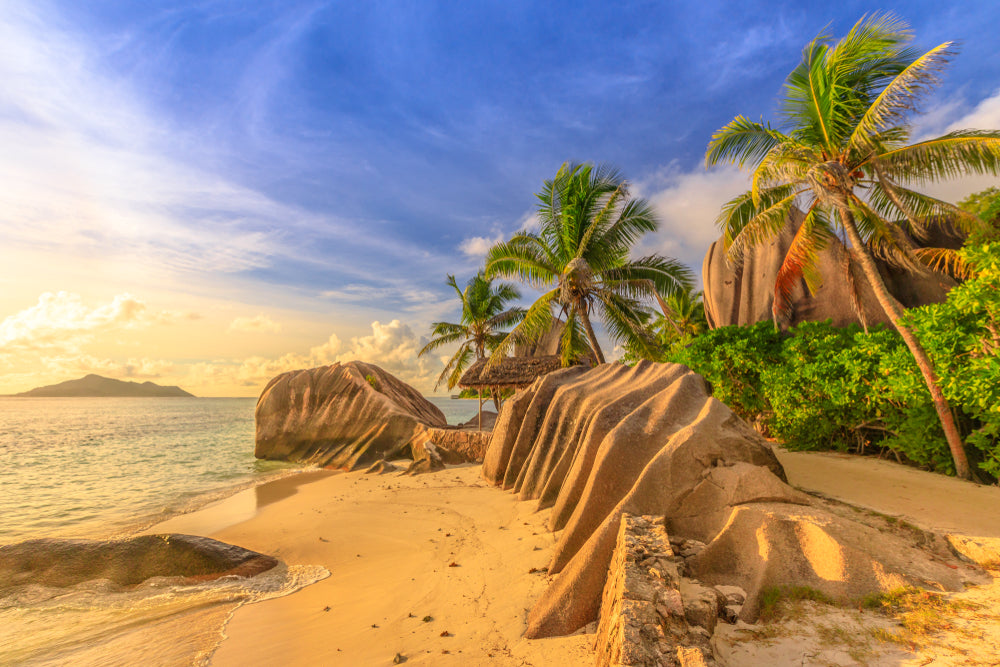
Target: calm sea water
x,y
101,467
105,467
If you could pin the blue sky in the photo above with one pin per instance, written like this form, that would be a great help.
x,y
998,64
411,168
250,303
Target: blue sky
x,y
269,179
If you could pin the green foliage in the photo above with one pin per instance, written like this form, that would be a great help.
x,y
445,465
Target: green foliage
x,y
962,335
984,204
823,387
580,258
731,359
485,320
372,381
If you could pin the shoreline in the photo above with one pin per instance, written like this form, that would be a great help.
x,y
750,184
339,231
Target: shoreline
x,y
471,557
444,545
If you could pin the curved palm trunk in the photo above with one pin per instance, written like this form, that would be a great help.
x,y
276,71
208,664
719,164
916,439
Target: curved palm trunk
x,y
894,310
591,336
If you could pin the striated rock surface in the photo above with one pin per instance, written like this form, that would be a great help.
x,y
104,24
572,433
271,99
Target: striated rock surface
x,y
745,294
334,416
62,562
597,444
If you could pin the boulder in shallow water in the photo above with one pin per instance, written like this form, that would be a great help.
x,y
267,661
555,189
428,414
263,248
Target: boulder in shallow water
x,y
348,415
65,562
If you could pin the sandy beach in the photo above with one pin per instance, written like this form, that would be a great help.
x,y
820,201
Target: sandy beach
x,y
437,568
399,549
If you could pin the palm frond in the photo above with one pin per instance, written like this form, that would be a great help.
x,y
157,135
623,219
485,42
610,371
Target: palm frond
x,y
955,154
536,322
743,141
457,363
522,258
899,98
740,233
666,276
947,261
800,262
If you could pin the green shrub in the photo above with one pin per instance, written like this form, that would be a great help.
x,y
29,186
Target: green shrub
x,y
823,387
731,359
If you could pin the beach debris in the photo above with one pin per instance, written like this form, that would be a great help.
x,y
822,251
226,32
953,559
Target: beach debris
x,y
445,634
374,625
427,619
326,608
399,659
453,564
323,539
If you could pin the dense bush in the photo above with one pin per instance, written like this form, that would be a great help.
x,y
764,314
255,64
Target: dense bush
x,y
822,387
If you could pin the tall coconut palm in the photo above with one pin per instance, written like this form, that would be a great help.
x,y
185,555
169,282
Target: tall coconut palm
x,y
485,319
842,154
580,257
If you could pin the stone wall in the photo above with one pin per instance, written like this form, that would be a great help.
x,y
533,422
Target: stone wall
x,y
642,619
460,445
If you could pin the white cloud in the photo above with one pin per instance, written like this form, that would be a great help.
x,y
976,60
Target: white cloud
x,y
257,324
957,115
392,346
63,321
478,246
687,204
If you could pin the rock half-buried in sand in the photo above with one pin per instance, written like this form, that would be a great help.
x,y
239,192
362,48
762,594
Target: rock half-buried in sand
x,y
345,416
63,562
650,440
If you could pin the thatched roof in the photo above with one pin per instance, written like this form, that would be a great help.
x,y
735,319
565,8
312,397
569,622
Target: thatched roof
x,y
509,372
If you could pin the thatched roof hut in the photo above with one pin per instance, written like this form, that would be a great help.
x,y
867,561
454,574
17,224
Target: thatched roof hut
x,y
512,372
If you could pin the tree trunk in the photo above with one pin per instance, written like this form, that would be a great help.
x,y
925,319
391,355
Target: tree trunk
x,y
480,408
595,346
894,310
495,393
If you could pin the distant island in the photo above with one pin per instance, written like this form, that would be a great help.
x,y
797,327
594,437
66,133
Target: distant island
x,y
97,386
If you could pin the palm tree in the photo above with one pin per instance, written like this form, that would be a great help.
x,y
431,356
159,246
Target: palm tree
x,y
580,256
843,155
683,319
485,318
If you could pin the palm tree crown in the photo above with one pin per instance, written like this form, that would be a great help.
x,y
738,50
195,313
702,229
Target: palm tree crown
x,y
580,257
843,155
485,318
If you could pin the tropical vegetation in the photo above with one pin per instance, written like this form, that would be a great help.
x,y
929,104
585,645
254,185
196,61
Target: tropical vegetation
x,y
486,317
842,154
816,386
682,319
580,260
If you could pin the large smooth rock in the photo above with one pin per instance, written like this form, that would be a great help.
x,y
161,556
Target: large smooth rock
x,y
64,562
334,416
599,444
744,294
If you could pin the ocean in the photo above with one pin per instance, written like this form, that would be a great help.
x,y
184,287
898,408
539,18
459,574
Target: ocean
x,y
111,467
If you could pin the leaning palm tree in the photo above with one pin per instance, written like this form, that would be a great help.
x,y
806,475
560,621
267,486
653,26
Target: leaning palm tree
x,y
580,258
842,154
484,323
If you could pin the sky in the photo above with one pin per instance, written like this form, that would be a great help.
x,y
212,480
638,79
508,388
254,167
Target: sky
x,y
211,193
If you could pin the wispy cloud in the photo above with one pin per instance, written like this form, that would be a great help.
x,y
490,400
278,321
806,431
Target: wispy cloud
x,y
258,324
